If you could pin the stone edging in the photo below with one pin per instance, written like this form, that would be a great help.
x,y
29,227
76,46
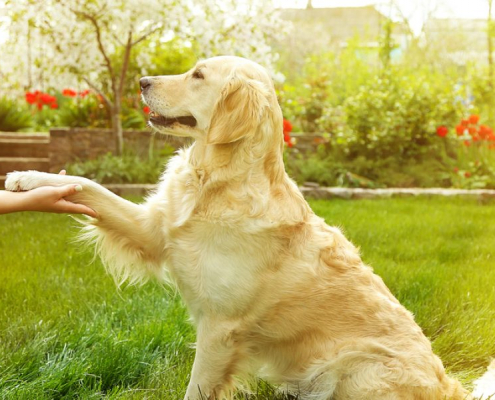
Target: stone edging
x,y
317,192
359,193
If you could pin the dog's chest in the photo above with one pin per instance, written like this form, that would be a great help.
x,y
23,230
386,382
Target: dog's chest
x,y
218,268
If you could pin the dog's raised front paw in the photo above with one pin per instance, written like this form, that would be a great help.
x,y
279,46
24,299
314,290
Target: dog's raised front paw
x,y
25,180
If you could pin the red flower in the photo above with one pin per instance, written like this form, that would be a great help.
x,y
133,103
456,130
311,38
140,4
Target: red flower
x,y
31,98
467,143
442,131
472,130
473,119
41,99
146,109
288,139
47,99
483,131
460,130
84,93
287,126
69,93
456,170
464,122
467,174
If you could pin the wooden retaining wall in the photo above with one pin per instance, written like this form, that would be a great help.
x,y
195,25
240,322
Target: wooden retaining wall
x,y
51,152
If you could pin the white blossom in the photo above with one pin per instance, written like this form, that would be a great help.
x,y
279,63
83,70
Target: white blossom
x,y
65,43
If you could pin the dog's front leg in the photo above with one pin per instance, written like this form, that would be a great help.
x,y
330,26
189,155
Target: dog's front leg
x,y
219,352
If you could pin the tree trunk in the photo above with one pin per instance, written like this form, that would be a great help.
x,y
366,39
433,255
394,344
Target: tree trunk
x,y
29,62
118,133
118,90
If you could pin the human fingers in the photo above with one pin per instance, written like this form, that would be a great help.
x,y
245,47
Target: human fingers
x,y
70,207
78,209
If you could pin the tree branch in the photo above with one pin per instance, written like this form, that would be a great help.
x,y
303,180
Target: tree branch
x,y
117,39
147,35
404,19
125,63
105,98
108,63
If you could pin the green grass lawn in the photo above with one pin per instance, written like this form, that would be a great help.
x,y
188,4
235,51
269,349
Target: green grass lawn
x,y
66,331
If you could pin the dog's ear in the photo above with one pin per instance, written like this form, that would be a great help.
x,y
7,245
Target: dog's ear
x,y
240,109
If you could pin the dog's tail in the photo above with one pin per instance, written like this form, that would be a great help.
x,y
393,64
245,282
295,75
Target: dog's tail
x,y
484,387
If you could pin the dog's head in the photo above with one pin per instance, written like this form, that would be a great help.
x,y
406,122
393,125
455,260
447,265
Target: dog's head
x,y
221,100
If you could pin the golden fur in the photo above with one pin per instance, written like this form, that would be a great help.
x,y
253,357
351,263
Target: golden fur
x,y
272,289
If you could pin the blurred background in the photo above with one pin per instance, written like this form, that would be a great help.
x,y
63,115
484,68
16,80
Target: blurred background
x,y
395,93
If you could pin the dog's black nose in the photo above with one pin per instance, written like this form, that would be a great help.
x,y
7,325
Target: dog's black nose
x,y
145,82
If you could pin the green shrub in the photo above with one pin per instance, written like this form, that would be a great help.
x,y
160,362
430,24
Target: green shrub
x,y
84,112
469,164
13,116
392,172
133,119
396,115
329,166
382,122
324,83
481,94
129,168
318,167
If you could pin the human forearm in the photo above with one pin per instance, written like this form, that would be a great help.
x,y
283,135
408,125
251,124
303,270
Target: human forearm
x,y
45,199
12,202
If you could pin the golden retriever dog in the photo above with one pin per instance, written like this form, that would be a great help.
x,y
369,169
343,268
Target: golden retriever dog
x,y
272,290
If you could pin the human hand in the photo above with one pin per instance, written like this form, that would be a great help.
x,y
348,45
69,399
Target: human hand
x,y
44,198
52,199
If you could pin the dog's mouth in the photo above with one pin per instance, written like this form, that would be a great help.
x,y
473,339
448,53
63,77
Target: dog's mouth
x,y
161,120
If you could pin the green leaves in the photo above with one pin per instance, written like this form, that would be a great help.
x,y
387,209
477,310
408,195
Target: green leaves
x,y
13,116
128,168
396,114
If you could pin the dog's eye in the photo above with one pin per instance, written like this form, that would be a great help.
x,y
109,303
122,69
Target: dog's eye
x,y
198,75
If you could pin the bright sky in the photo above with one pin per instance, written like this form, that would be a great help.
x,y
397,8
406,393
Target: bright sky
x,y
414,10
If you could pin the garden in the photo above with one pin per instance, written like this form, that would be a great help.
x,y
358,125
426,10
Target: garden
x,y
399,128
355,116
